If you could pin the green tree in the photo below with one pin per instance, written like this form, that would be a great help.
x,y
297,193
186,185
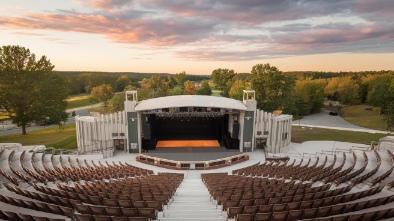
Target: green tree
x,y
381,91
204,89
117,102
190,88
273,88
102,93
145,91
309,95
345,89
181,78
221,76
237,88
158,85
29,89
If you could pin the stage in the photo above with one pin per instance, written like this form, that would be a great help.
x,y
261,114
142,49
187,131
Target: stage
x,y
192,153
187,143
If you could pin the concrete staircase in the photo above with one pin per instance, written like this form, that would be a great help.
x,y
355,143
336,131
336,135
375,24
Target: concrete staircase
x,y
192,202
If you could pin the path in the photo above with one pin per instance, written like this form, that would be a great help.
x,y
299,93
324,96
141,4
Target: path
x,y
324,120
192,202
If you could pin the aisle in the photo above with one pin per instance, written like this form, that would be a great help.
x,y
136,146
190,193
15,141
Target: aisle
x,y
192,202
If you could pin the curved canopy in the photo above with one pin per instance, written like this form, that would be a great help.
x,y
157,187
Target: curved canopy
x,y
190,101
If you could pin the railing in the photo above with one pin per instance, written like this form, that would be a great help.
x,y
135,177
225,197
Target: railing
x,y
198,165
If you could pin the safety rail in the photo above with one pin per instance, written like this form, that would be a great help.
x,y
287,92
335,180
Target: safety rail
x,y
197,165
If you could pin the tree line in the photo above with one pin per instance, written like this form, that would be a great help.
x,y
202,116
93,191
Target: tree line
x,y
304,93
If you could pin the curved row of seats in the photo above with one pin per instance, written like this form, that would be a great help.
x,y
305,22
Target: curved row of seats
x,y
121,192
274,191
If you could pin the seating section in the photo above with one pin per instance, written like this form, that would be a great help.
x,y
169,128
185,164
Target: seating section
x,y
81,189
283,189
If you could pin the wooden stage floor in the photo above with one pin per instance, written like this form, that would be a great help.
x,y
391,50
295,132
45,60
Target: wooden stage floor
x,y
187,143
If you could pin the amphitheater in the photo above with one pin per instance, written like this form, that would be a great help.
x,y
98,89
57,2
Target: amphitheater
x,y
313,181
323,180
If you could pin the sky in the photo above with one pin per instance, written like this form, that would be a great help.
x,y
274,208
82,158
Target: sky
x,y
171,36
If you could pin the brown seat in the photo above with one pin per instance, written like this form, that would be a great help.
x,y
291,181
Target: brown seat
x,y
138,219
309,213
67,211
356,217
95,200
251,209
328,201
337,209
361,205
154,204
279,207
246,202
125,203
24,217
349,207
229,203
294,215
323,211
293,206
54,209
119,218
147,212
98,210
83,217
259,202
265,208
110,202
244,217
233,211
381,214
139,204
9,215
279,216
306,204
129,212
262,217
101,218
370,216
83,209
113,211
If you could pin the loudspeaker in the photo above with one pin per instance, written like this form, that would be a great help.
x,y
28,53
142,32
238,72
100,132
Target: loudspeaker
x,y
235,130
146,131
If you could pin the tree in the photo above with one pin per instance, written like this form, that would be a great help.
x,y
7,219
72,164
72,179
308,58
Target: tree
x,y
181,78
237,88
381,92
117,101
190,88
102,93
344,89
221,76
273,88
158,85
29,90
204,89
309,95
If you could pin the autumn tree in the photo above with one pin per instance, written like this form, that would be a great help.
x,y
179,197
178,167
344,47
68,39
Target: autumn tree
x,y
158,85
190,88
237,88
102,93
29,89
345,89
273,88
204,89
180,78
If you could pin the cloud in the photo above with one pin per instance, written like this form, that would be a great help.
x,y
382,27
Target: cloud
x,y
227,29
104,4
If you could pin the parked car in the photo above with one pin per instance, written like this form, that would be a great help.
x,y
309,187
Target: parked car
x,y
333,113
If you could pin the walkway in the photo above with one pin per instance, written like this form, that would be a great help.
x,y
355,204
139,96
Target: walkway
x,y
324,120
192,202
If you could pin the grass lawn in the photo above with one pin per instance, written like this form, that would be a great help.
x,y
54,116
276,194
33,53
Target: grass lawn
x,y
364,118
80,100
302,134
50,137
216,92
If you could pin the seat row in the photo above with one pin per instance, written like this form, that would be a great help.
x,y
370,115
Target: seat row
x,y
88,217
117,211
8,215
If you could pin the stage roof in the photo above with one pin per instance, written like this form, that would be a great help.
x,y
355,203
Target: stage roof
x,y
190,101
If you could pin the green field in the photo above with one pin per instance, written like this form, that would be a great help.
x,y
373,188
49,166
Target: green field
x,y
364,118
216,92
302,134
80,100
50,137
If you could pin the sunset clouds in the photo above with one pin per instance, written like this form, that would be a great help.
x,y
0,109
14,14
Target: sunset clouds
x,y
222,29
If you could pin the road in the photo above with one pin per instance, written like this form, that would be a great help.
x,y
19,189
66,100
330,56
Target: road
x,y
81,111
324,120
